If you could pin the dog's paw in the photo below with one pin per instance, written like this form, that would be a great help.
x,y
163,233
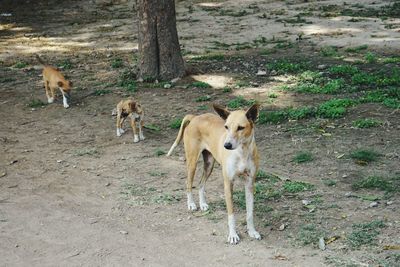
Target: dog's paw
x,y
50,100
120,132
233,238
142,137
192,206
204,206
135,139
254,234
66,106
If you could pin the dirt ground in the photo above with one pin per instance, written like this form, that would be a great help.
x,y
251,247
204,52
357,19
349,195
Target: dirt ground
x,y
74,194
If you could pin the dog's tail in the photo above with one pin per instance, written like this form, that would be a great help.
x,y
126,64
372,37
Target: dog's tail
x,y
40,60
184,123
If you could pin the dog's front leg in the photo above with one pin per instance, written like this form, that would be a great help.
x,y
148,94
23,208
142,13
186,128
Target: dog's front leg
x,y
233,237
141,124
250,207
135,134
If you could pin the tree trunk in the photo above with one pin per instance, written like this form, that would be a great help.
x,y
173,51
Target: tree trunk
x,y
159,52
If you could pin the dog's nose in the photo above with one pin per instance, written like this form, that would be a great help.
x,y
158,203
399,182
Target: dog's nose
x,y
228,146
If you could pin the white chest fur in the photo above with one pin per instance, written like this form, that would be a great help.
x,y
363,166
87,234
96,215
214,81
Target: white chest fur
x,y
240,162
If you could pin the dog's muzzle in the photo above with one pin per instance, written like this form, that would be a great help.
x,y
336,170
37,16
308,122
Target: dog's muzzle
x,y
228,146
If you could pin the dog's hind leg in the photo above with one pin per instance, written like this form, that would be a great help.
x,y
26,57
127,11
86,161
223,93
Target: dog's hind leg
x,y
192,155
208,167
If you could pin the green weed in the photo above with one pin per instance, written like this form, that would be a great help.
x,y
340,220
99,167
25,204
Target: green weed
x,y
366,123
303,156
356,49
296,187
176,123
283,66
100,92
199,84
127,80
334,108
364,156
371,57
376,182
65,64
20,64
309,234
240,102
329,51
364,234
36,103
203,98
117,63
388,60
159,152
344,69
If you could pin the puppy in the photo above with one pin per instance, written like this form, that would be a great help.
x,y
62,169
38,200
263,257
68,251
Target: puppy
x,y
53,79
134,110
229,140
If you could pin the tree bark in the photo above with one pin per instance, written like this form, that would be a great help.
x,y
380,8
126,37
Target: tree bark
x,y
159,51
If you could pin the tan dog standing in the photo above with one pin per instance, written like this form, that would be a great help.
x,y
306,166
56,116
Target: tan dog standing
x,y
228,139
53,79
134,110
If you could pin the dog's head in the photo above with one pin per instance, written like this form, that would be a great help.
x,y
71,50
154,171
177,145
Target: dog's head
x,y
137,110
66,87
239,125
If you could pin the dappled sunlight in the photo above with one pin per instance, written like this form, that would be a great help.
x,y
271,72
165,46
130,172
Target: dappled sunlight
x,y
216,81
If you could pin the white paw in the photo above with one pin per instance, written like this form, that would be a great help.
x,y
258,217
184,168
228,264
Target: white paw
x,y
254,234
50,100
204,206
142,137
192,206
135,139
233,238
66,106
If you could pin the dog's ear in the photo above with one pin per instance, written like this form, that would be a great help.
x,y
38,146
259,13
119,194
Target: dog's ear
x,y
252,112
222,112
60,84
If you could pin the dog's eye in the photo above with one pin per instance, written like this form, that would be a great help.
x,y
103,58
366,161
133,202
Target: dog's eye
x,y
226,127
240,128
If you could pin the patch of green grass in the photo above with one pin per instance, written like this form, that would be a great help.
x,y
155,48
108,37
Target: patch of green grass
x,y
199,84
309,234
166,198
388,60
303,156
364,156
203,98
300,113
343,69
329,51
117,63
370,57
329,182
128,81
391,184
283,66
309,76
90,151
392,103
159,152
273,95
65,64
176,123
240,84
20,64
323,86
227,89
7,79
36,103
240,102
356,49
100,92
296,187
157,173
366,123
273,117
334,108
233,13
364,234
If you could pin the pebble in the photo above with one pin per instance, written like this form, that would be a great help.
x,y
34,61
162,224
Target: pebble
x,y
282,227
123,232
389,203
373,204
261,73
306,202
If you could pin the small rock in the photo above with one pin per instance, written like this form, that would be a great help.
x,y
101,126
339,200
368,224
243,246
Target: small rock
x,y
261,73
282,227
175,80
214,232
123,232
114,112
179,220
321,67
181,158
349,194
306,202
321,244
108,184
167,85
273,72
373,204
389,203
59,161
